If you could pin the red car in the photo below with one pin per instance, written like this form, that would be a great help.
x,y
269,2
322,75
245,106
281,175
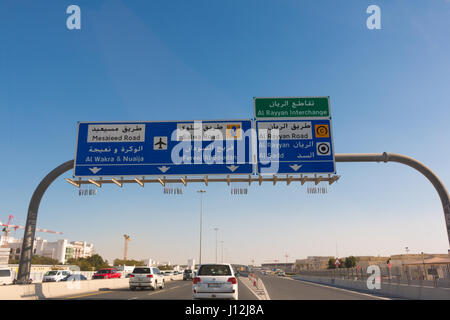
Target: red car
x,y
106,273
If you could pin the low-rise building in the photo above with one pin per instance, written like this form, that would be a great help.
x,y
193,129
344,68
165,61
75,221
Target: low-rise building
x,y
61,250
312,263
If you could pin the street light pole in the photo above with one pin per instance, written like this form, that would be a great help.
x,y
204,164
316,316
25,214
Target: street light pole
x,y
216,228
201,209
222,249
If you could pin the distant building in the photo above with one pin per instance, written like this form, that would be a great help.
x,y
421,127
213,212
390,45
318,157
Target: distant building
x,y
286,267
150,262
4,256
191,264
312,263
406,259
61,250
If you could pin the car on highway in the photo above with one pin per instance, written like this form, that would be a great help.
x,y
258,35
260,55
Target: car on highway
x,y
107,273
187,274
215,281
6,276
146,277
55,275
74,277
281,274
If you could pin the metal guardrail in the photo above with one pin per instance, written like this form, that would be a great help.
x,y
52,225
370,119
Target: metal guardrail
x,y
427,275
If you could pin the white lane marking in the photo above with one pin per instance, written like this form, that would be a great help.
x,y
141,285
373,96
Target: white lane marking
x,y
133,298
165,289
340,289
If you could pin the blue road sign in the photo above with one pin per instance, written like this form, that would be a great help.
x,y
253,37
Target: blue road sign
x,y
163,148
295,146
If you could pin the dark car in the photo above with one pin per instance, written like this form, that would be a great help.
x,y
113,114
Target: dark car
x,y
74,277
187,274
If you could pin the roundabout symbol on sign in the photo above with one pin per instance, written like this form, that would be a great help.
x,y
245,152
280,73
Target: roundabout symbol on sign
x,y
323,149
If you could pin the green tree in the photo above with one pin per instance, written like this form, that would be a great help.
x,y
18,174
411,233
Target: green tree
x,y
38,260
350,262
43,260
165,267
331,264
97,262
92,263
121,262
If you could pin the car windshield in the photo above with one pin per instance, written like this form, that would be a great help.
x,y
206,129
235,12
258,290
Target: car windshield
x,y
51,273
214,270
141,270
104,271
5,273
187,271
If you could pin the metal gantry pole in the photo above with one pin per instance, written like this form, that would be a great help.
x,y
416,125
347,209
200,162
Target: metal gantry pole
x,y
26,253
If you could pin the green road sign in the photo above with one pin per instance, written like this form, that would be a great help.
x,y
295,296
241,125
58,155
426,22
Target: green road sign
x,y
292,107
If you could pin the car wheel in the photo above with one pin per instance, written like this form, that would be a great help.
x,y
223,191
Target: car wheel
x,y
156,286
163,284
132,288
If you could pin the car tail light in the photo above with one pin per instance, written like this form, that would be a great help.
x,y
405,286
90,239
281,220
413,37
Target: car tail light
x,y
232,280
149,276
196,280
131,275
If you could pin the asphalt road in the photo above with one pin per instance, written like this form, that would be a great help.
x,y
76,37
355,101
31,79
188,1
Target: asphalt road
x,y
284,288
173,290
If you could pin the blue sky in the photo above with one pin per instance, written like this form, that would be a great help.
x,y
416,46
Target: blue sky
x,y
186,60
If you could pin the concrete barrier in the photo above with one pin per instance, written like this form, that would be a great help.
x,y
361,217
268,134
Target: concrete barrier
x,y
48,290
388,289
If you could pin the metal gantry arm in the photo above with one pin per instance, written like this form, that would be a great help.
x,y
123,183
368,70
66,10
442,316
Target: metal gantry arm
x,y
413,163
30,228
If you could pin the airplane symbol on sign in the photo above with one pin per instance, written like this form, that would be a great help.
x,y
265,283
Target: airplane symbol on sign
x,y
160,143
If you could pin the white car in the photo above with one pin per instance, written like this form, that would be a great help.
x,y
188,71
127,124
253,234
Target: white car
x,y
146,277
215,281
55,275
6,276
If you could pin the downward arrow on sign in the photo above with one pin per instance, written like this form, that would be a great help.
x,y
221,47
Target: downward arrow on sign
x,y
295,167
94,170
163,169
232,167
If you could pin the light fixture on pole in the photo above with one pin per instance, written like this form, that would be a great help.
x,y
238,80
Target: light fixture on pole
x,y
201,209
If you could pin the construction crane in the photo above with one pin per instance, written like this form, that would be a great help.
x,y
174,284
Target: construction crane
x,y
8,226
125,250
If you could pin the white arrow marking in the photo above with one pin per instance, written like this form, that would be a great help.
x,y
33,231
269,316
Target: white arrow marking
x,y
163,169
232,167
95,170
295,167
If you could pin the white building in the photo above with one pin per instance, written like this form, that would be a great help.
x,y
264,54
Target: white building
x,y
150,262
191,264
4,256
61,250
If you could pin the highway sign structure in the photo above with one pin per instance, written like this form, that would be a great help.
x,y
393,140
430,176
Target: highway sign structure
x,y
291,107
294,146
163,148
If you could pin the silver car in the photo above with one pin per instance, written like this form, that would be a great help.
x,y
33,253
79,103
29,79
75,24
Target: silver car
x,y
146,277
